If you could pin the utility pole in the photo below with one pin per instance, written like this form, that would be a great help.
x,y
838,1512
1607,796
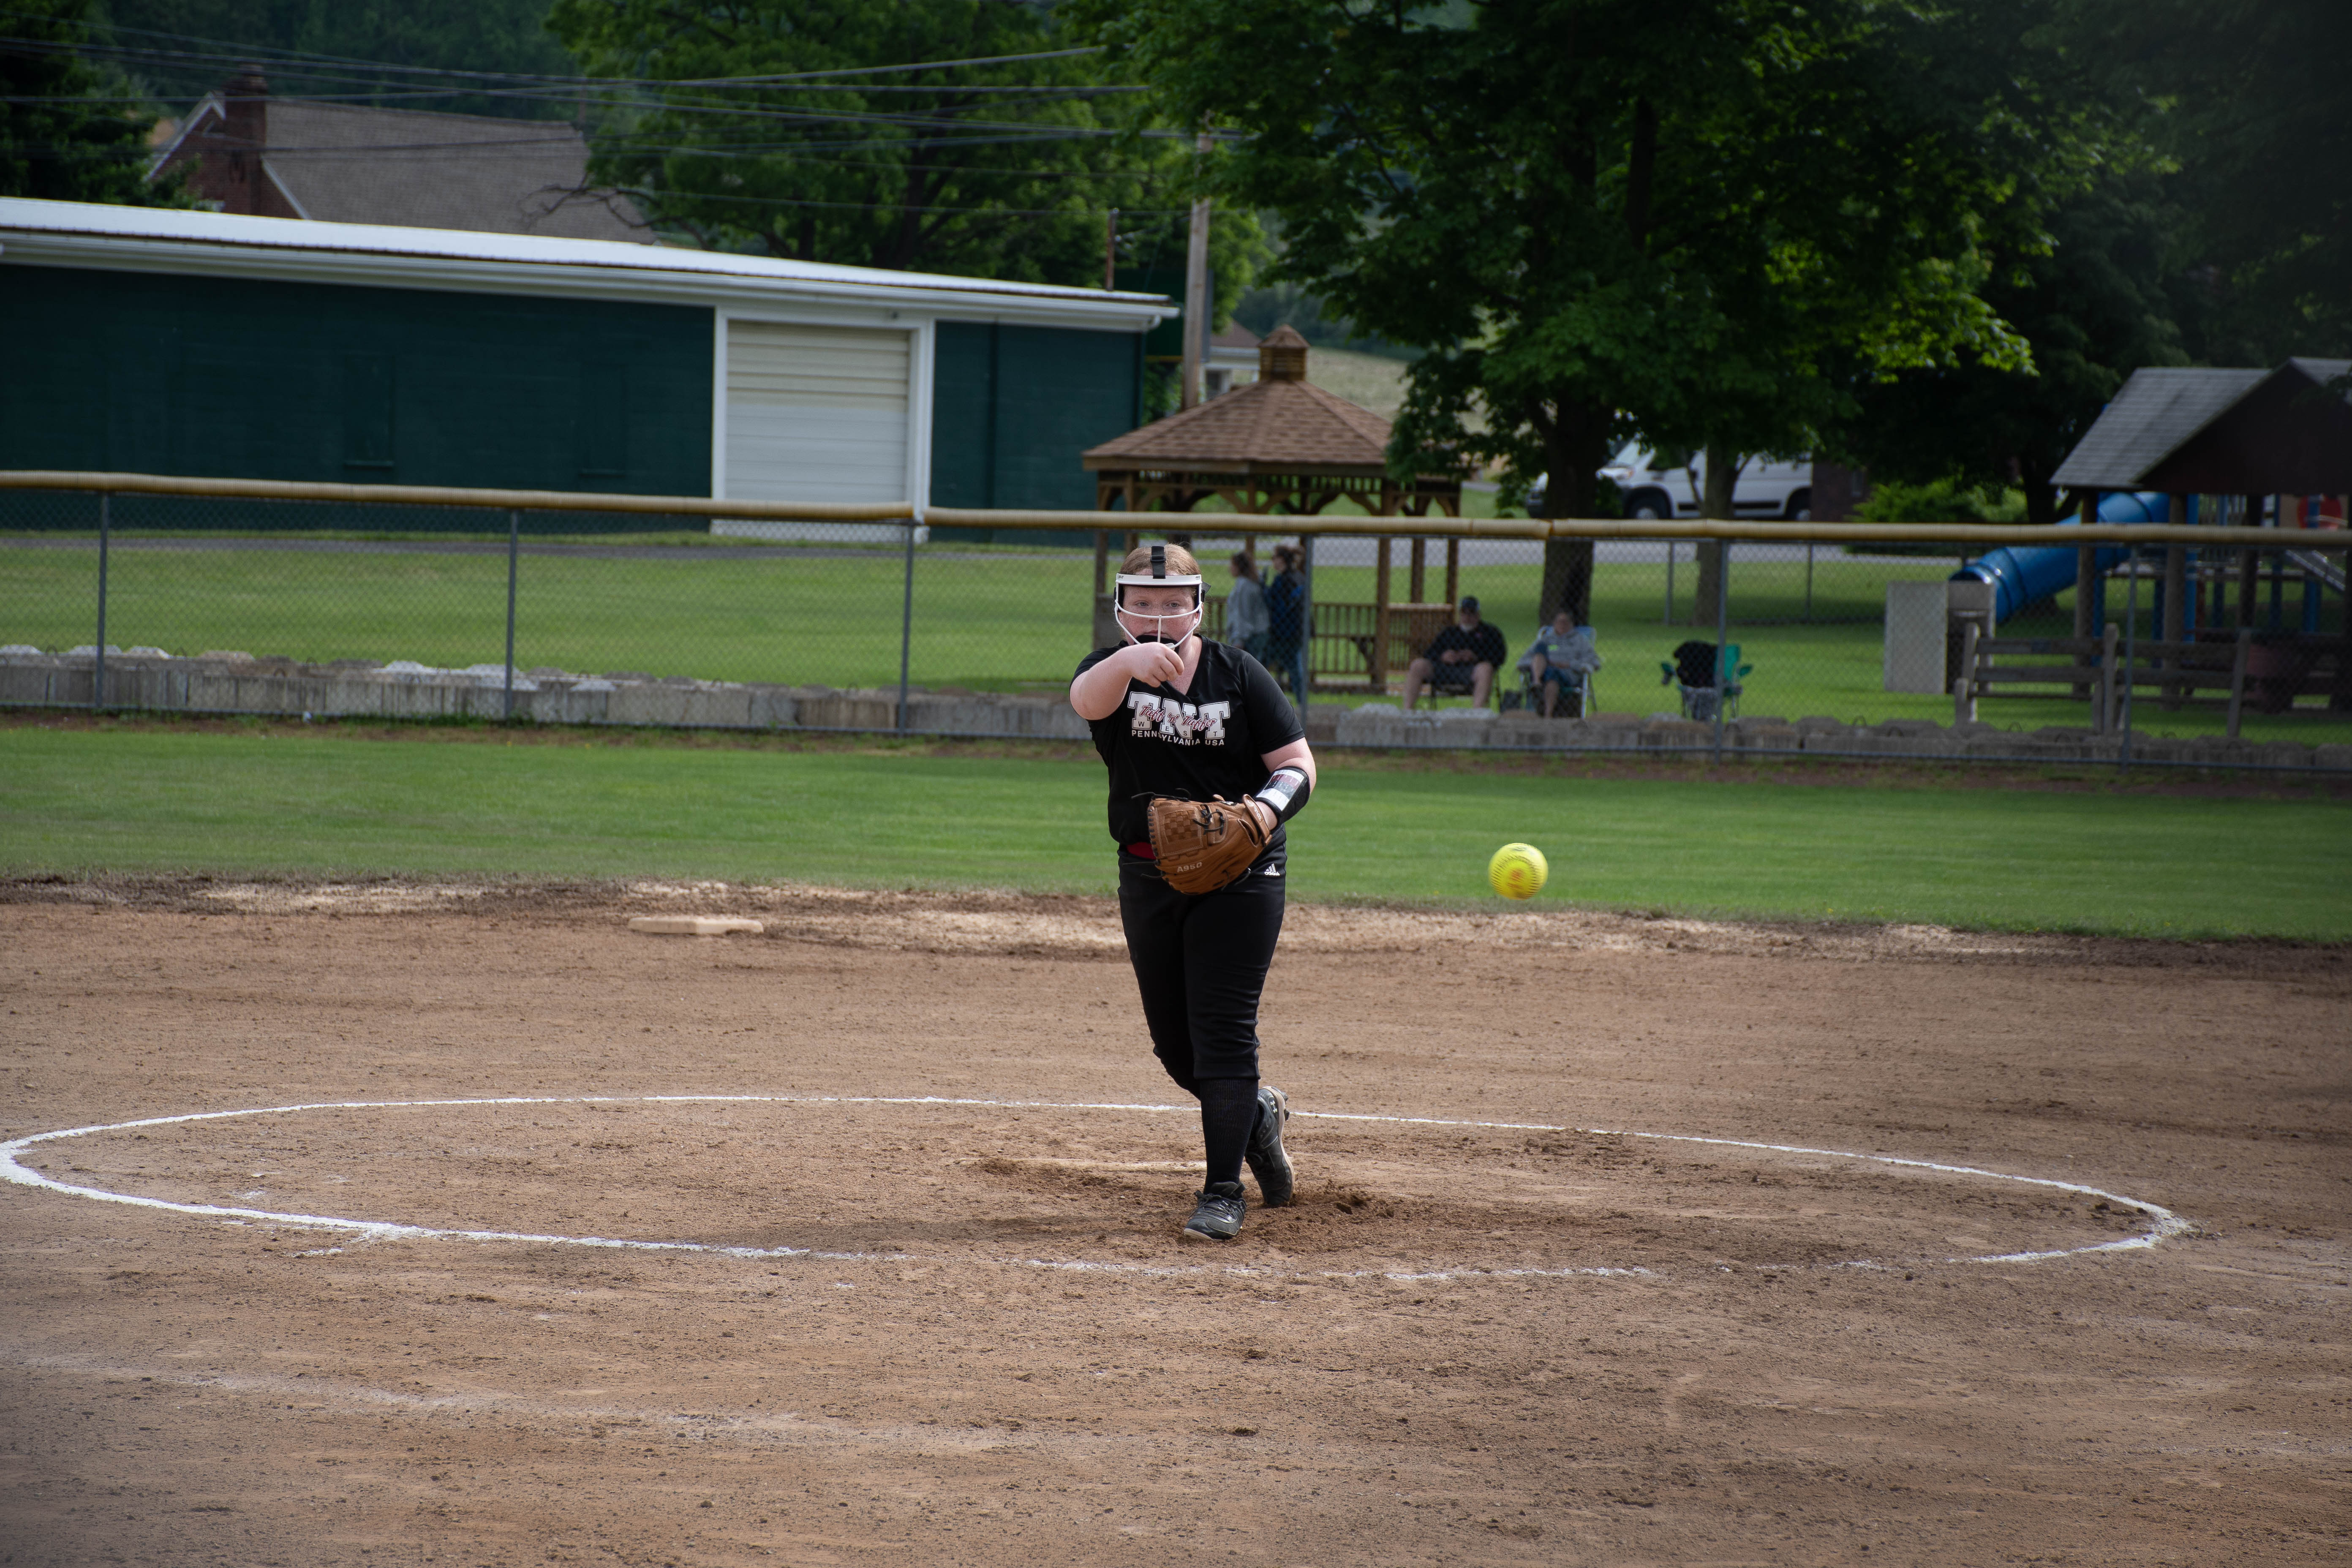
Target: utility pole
x,y
1196,297
1110,251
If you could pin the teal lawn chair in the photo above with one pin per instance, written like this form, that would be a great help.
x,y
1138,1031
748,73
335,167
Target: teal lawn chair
x,y
1690,669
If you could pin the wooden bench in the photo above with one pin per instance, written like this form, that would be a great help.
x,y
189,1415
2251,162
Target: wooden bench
x,y
2095,669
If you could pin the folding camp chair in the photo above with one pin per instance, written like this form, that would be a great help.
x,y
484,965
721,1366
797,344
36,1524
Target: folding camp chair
x,y
1579,663
1709,681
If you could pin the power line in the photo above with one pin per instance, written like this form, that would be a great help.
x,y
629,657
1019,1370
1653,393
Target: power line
x,y
376,99
892,209
229,52
574,88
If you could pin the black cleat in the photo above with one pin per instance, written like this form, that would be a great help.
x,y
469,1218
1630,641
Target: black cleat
x,y
1218,1215
1269,1162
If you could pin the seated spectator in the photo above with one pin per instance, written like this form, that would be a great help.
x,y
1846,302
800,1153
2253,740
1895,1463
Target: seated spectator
x,y
1247,621
1560,658
1462,657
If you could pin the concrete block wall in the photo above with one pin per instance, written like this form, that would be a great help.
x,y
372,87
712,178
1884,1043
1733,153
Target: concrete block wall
x,y
222,684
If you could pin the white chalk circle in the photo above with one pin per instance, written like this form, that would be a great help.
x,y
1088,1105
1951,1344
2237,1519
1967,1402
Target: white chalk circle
x,y
2163,1223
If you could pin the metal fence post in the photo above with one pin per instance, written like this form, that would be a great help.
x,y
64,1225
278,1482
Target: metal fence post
x,y
514,550
906,625
1725,670
1305,617
97,670
1670,584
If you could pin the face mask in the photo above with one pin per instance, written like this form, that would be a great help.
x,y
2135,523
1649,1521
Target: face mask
x,y
1171,627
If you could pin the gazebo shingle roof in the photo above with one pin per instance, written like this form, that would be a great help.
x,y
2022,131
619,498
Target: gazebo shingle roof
x,y
1278,423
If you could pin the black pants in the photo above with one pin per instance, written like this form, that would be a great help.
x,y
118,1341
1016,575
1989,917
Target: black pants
x,y
1201,964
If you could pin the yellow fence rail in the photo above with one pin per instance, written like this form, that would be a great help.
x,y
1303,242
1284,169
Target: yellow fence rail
x,y
1985,535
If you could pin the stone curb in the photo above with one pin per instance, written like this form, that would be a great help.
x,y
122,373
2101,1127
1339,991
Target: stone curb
x,y
351,690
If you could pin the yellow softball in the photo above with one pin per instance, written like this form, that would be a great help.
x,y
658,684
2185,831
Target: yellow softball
x,y
1517,871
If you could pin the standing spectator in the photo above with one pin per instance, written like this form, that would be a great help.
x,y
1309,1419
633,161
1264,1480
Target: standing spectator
x,y
1245,614
1285,633
1466,654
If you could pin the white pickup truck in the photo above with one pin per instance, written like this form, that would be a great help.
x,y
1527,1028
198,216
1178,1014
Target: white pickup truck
x,y
1766,487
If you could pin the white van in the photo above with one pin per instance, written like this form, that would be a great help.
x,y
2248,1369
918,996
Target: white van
x,y
1767,486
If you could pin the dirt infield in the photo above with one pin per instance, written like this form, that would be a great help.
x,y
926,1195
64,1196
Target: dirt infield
x,y
918,1299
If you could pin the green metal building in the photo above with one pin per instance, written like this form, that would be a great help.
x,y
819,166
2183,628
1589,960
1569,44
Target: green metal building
x,y
207,344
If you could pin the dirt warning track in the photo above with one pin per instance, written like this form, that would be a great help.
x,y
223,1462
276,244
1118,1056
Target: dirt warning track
x,y
1657,1241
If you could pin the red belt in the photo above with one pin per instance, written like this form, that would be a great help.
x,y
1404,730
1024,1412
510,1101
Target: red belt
x,y
1143,851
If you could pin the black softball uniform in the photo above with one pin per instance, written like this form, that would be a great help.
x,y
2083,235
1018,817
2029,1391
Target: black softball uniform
x,y
1207,741
1199,962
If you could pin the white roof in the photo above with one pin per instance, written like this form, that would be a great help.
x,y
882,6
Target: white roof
x,y
126,238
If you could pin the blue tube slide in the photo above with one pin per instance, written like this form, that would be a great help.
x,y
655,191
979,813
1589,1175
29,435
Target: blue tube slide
x,y
2023,578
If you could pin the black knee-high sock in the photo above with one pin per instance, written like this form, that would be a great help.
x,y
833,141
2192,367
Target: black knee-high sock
x,y
1228,1114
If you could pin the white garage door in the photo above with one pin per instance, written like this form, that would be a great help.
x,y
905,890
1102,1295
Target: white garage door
x,y
816,414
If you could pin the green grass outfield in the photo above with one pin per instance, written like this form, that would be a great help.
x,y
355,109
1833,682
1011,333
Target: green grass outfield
x,y
245,800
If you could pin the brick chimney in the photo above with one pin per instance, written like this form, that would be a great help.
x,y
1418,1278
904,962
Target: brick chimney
x,y
227,151
247,94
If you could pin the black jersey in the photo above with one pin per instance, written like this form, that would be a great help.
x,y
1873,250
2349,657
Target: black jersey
x,y
1211,741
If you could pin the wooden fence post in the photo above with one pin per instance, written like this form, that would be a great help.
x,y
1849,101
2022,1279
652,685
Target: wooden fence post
x,y
2237,676
2110,712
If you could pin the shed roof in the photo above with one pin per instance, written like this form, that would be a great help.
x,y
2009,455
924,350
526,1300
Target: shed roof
x,y
2222,432
2158,409
89,234
1280,423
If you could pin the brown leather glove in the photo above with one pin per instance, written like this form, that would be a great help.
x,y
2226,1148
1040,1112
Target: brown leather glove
x,y
1202,846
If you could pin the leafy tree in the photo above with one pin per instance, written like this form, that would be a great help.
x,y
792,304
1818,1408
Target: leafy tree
x,y
1697,218
2251,102
71,131
999,170
2091,299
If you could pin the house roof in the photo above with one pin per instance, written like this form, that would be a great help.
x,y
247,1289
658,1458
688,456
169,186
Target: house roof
x,y
340,163
1280,423
2220,432
165,239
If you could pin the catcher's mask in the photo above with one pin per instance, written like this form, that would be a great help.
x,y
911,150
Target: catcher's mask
x,y
1160,627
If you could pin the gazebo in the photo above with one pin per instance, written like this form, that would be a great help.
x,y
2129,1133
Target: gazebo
x,y
1281,446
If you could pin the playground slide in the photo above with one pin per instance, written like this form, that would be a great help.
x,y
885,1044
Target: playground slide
x,y
2318,566
2023,578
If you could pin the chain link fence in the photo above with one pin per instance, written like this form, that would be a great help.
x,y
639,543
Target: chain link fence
x,y
1841,646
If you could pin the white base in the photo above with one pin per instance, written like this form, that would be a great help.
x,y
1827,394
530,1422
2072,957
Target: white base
x,y
693,925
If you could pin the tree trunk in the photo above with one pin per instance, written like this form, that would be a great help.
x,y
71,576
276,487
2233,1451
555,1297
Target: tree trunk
x,y
1714,502
2041,495
1574,449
